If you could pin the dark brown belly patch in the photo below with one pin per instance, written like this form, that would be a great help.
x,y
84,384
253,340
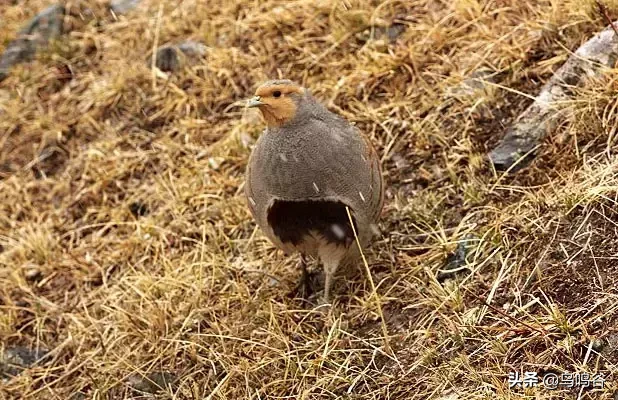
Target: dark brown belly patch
x,y
292,221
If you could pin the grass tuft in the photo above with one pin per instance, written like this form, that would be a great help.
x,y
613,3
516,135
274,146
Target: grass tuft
x,y
127,249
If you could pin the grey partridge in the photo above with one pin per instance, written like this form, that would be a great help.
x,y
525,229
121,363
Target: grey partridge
x,y
306,168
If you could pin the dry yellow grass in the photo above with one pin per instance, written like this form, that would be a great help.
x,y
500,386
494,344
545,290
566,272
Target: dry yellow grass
x,y
126,246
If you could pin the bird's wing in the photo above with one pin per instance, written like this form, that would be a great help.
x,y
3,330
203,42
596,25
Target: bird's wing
x,y
254,203
377,182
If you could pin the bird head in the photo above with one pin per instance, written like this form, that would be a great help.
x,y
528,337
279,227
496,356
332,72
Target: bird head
x,y
278,100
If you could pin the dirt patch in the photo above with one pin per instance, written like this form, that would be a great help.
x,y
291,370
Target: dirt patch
x,y
582,267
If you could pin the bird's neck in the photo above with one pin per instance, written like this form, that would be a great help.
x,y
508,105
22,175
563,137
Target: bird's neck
x,y
273,120
280,114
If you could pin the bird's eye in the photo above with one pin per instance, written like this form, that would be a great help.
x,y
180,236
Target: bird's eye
x,y
277,93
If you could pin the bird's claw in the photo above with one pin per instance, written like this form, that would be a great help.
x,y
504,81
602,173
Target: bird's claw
x,y
304,288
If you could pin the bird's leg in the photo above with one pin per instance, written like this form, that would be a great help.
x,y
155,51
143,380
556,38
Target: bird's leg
x,y
329,274
304,277
328,282
331,256
304,285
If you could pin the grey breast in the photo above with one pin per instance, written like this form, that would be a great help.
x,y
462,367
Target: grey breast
x,y
315,159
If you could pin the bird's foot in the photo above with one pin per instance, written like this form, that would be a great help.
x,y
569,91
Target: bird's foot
x,y
306,287
323,301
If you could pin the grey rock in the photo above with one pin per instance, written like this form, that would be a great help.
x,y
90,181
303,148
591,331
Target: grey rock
x,y
598,345
193,48
456,261
16,359
47,25
391,32
168,59
171,58
123,6
514,152
153,382
518,145
388,33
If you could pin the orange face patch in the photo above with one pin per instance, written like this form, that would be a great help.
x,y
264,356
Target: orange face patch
x,y
277,106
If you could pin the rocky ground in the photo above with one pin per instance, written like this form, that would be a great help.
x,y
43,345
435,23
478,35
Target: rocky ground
x,y
131,268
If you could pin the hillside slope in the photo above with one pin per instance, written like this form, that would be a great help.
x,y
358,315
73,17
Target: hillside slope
x,y
127,249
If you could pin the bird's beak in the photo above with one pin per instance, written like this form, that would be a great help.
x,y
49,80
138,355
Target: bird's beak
x,y
254,102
